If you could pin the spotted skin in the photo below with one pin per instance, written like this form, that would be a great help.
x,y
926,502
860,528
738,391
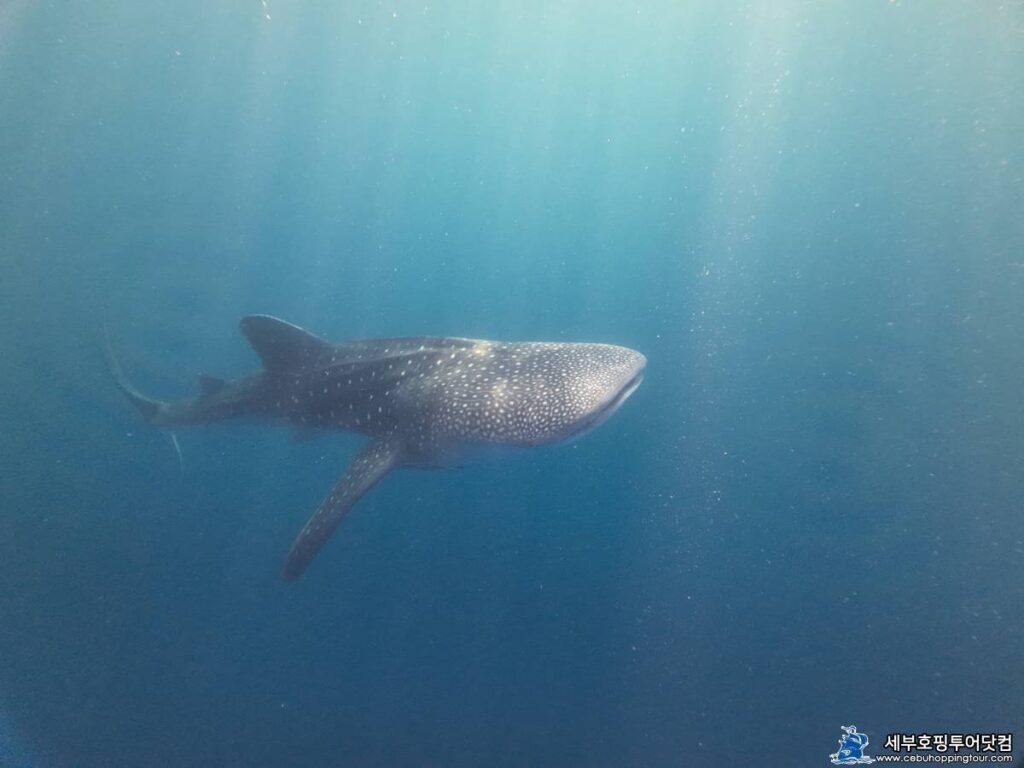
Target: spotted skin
x,y
420,400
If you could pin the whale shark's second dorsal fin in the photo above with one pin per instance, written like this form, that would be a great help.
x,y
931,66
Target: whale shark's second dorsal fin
x,y
210,385
280,345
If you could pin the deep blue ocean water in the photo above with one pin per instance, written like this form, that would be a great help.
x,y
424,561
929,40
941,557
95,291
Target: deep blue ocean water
x,y
809,216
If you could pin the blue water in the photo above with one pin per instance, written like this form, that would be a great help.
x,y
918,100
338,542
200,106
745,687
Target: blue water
x,y
807,215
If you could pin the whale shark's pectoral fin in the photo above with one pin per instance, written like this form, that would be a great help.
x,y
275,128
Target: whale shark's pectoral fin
x,y
376,459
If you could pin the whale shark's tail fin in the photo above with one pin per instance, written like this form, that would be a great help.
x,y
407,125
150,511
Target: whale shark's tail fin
x,y
149,408
376,459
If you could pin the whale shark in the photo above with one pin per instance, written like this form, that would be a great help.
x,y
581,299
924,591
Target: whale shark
x,y
423,402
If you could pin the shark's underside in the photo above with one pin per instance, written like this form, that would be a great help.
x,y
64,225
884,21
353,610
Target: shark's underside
x,y
420,400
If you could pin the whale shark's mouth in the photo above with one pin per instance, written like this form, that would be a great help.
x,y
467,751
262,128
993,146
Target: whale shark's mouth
x,y
599,415
632,385
613,404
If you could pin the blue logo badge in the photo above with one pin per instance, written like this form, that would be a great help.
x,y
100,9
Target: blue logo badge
x,y
851,748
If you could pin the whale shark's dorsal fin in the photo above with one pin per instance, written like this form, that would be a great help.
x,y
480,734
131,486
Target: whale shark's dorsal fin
x,y
376,459
280,345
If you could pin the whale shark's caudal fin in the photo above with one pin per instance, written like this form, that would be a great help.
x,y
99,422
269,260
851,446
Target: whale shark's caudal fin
x,y
149,408
376,459
280,345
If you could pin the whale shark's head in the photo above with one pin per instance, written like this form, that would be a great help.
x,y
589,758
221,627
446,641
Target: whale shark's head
x,y
561,391
609,374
